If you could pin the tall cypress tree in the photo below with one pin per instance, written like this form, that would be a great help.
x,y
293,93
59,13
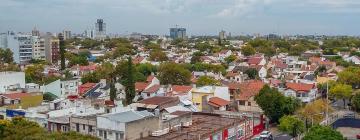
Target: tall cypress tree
x,y
130,83
112,91
62,51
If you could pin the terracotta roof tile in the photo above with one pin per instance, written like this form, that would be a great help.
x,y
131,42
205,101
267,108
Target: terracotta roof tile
x,y
15,95
249,89
254,60
181,89
152,89
218,102
300,86
140,86
159,100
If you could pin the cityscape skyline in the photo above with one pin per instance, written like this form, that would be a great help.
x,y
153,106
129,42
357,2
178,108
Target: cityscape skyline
x,y
200,17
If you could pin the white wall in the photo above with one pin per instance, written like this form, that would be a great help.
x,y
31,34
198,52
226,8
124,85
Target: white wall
x,y
11,78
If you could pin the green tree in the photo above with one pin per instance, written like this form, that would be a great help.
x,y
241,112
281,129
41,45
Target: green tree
x,y
203,46
230,59
112,91
355,101
207,81
341,91
319,132
175,74
22,129
350,76
291,125
146,69
252,73
34,74
6,56
297,50
248,50
274,104
267,50
130,83
196,57
158,55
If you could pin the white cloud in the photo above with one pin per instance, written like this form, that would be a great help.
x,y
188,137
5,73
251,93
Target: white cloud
x,y
242,7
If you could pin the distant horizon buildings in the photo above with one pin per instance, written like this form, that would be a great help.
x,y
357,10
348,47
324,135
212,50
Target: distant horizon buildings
x,y
176,33
66,34
222,35
100,29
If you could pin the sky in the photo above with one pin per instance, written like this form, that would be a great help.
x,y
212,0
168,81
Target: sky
x,y
200,17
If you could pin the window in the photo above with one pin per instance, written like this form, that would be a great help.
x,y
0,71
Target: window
x,y
105,135
117,136
100,133
241,102
83,126
249,103
77,127
64,128
90,128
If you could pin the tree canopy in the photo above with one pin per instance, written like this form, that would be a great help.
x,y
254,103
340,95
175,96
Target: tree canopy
x,y
248,50
341,91
274,104
319,132
6,56
175,74
21,129
207,81
291,125
158,55
355,101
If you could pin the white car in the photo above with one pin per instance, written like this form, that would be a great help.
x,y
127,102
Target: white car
x,y
265,134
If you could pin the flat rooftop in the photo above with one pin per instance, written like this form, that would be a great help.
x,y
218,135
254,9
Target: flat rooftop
x,y
202,126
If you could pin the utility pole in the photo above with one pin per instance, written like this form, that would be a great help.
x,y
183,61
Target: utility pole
x,y
327,102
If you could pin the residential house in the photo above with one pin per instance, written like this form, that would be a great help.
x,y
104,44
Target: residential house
x,y
21,100
217,103
183,92
11,81
256,61
305,92
201,95
354,59
245,93
85,125
223,54
129,125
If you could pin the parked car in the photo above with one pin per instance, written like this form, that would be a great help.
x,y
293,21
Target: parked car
x,y
266,135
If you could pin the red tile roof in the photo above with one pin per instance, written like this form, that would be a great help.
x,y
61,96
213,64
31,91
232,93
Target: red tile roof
x,y
15,95
137,60
254,60
315,60
159,100
300,86
88,68
231,74
85,87
249,89
109,103
279,64
218,102
152,89
140,86
181,89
